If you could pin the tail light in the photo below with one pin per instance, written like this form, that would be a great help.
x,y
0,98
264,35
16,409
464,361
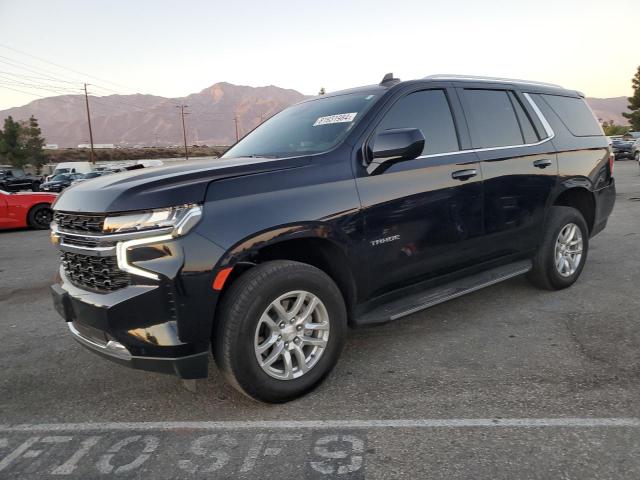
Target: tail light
x,y
612,160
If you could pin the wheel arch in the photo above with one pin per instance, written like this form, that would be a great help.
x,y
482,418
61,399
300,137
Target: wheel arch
x,y
314,244
578,195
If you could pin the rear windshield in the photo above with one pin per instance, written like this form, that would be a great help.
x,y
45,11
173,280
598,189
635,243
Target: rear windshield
x,y
306,128
575,114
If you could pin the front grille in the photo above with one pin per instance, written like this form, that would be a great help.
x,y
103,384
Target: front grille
x,y
75,222
96,273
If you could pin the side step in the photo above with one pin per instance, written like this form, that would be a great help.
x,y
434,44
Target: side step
x,y
428,298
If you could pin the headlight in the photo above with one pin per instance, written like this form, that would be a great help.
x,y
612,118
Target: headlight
x,y
178,219
181,219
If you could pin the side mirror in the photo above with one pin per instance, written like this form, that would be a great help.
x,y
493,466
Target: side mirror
x,y
393,146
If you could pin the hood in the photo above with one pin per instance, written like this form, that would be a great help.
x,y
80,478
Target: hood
x,y
158,187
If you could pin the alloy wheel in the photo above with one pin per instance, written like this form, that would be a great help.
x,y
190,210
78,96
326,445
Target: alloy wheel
x,y
291,335
568,250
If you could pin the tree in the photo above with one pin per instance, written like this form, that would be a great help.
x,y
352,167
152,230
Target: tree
x,y
10,143
33,142
21,143
634,103
611,129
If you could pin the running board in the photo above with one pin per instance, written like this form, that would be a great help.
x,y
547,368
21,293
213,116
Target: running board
x,y
433,296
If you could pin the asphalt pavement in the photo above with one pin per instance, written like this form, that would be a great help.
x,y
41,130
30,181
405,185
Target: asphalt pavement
x,y
507,382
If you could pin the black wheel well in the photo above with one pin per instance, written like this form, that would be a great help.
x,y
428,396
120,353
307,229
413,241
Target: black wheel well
x,y
582,200
320,253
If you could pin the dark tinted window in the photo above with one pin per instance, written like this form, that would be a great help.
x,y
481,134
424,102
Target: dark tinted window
x,y
492,119
429,111
575,114
528,132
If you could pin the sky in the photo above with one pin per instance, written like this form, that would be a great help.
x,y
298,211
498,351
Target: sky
x,y
174,48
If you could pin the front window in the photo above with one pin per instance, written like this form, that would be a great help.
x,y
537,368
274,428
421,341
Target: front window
x,y
306,128
60,178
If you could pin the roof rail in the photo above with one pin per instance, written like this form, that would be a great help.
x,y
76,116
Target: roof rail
x,y
476,78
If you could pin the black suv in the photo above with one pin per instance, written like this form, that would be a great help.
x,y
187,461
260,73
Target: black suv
x,y
15,179
352,208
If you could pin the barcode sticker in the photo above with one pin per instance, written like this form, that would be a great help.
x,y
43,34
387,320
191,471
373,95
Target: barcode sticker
x,y
338,118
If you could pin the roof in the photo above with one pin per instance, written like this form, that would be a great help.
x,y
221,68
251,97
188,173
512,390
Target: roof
x,y
382,87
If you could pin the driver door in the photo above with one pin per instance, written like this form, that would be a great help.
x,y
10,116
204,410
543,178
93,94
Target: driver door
x,y
423,217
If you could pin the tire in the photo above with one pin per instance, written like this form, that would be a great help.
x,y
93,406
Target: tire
x,y
40,217
240,330
545,274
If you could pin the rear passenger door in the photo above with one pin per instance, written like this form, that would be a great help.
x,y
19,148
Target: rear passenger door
x,y
519,167
422,217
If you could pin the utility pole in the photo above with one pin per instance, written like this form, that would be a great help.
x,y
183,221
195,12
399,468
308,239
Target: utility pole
x,y
237,132
86,101
184,130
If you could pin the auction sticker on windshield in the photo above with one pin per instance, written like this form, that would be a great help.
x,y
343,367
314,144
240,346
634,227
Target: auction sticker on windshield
x,y
338,118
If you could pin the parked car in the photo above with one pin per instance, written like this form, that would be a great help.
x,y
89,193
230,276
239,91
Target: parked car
x,y
90,175
21,209
353,208
59,182
635,150
15,179
622,148
70,167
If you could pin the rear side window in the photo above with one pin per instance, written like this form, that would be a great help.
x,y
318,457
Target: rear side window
x,y
492,119
429,111
575,115
528,132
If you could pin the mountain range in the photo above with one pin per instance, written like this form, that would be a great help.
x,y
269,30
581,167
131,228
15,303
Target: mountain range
x,y
131,120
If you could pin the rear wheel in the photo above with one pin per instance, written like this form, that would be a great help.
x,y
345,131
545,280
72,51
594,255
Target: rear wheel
x,y
563,252
281,328
40,217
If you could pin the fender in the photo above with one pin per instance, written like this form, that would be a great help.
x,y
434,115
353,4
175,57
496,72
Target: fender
x,y
244,250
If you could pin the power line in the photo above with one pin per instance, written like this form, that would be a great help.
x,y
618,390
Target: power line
x,y
20,75
67,68
29,68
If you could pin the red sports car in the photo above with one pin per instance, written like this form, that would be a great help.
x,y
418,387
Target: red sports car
x,y
26,209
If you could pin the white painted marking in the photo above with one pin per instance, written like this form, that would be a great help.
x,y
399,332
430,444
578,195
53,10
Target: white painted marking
x,y
105,466
329,466
70,465
631,422
201,446
254,451
13,456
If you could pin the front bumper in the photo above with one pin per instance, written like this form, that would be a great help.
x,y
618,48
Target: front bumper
x,y
161,326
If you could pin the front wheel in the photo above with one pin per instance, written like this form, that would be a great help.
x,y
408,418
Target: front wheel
x,y
563,252
281,328
40,217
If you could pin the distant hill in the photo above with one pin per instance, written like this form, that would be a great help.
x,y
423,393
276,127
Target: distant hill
x,y
610,109
150,120
131,120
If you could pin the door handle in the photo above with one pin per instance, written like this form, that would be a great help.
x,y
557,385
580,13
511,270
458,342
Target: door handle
x,y
463,175
543,163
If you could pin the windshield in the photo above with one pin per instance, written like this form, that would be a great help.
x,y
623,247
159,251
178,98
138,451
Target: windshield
x,y
58,171
91,175
310,127
59,178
